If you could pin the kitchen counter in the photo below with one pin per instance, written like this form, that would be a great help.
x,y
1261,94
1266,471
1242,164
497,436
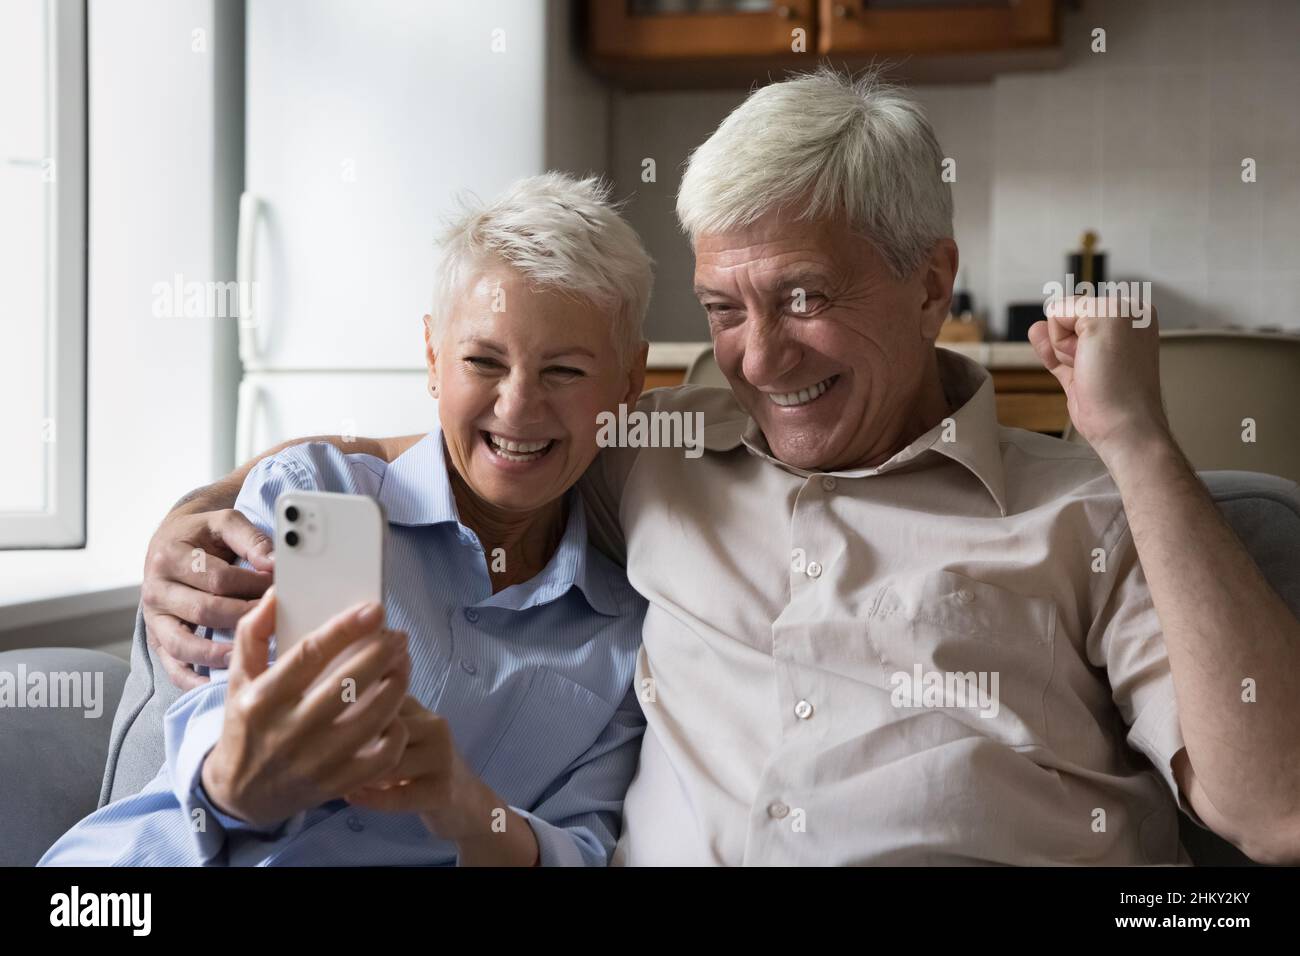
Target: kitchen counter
x,y
1028,396
667,356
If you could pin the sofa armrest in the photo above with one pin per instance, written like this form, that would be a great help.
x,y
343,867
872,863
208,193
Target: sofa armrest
x,y
56,710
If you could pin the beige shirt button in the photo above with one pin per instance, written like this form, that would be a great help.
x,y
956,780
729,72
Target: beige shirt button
x,y
965,596
828,483
814,569
803,710
778,810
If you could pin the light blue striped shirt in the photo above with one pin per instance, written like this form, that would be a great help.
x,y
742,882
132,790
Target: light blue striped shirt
x,y
535,681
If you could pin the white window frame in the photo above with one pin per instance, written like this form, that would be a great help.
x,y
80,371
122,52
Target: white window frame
x,y
62,523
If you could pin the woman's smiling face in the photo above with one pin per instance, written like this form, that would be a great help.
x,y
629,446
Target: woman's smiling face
x,y
521,374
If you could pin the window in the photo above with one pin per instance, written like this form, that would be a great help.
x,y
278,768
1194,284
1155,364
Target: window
x,y
42,272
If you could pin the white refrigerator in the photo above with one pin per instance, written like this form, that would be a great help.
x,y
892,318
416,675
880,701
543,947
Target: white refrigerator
x,y
363,121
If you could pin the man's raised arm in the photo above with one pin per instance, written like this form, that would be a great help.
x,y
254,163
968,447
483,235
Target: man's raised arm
x,y
1222,622
179,593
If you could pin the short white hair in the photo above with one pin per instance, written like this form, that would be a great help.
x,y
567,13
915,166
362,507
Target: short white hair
x,y
825,144
558,232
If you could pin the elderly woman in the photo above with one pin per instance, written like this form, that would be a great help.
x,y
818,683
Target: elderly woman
x,y
494,720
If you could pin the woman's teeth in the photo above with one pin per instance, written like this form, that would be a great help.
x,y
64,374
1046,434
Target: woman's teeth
x,y
804,395
518,450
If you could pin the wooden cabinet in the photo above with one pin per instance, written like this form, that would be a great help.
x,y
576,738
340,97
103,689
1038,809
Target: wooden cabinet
x,y
1030,399
684,30
684,44
941,26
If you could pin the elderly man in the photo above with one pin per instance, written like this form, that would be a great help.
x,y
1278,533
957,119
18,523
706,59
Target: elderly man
x,y
883,628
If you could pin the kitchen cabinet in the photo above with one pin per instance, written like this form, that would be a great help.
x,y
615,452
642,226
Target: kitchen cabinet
x,y
695,44
679,29
934,26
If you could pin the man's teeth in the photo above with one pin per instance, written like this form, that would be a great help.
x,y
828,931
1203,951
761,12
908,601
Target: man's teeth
x,y
518,450
804,395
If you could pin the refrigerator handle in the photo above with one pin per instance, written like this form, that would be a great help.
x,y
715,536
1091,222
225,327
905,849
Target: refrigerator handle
x,y
250,321
250,401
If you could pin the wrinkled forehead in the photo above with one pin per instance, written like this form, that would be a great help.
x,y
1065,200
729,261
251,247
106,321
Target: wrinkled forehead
x,y
775,254
535,318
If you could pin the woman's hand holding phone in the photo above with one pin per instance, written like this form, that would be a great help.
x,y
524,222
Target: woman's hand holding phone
x,y
293,737
434,780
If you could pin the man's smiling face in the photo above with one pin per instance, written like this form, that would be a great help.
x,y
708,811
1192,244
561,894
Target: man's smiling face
x,y
830,354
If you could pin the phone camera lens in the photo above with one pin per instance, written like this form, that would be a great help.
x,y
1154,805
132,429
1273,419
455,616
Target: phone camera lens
x,y
291,513
291,539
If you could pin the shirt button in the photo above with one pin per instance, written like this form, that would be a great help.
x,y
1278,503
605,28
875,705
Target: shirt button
x,y
803,710
814,569
467,666
965,596
471,615
828,483
355,824
778,810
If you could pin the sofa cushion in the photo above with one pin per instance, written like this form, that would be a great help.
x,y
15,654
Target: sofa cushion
x,y
135,751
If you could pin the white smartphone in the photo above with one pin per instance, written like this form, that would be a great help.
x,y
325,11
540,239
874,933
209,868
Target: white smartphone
x,y
329,556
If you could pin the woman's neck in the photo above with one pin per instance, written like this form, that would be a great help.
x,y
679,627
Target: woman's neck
x,y
516,546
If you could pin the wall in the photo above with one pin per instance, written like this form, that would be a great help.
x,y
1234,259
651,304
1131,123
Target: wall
x,y
664,127
1144,143
575,132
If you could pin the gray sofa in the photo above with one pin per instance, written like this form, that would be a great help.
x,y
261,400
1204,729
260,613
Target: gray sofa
x,y
56,766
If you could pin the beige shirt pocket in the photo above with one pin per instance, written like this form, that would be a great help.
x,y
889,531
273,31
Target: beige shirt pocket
x,y
979,653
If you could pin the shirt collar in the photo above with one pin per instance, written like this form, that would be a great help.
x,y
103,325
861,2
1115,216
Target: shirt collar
x,y
975,438
570,566
416,490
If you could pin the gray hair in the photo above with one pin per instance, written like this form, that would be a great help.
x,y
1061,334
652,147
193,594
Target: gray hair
x,y
560,233
827,144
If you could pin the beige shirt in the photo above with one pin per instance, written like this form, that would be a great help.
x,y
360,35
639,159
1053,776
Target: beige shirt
x,y
817,643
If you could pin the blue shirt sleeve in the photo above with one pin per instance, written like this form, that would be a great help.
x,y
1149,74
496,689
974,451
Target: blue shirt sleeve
x,y
192,725
172,821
